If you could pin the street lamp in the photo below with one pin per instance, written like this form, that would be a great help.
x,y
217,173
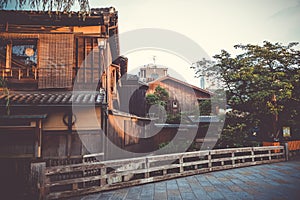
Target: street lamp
x,y
101,47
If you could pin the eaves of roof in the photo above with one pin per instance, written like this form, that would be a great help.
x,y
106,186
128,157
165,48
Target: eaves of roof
x,y
181,82
52,98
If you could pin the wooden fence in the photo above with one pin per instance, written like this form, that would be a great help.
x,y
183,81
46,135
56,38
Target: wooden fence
x,y
78,179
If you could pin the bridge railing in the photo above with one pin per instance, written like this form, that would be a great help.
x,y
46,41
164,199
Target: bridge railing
x,y
78,179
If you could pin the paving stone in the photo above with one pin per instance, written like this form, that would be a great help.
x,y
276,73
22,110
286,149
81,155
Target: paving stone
x,y
216,195
177,197
270,181
188,195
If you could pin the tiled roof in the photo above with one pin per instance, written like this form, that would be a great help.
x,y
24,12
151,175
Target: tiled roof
x,y
164,78
52,98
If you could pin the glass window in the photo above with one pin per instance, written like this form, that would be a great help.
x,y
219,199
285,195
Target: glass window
x,y
18,57
24,53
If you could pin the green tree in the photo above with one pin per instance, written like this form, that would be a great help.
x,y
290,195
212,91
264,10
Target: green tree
x,y
262,85
158,101
50,5
159,97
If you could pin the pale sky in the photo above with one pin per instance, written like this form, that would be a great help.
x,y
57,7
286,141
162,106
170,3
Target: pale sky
x,y
211,24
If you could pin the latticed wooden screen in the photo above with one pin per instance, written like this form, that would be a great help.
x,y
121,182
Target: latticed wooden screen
x,y
90,60
55,60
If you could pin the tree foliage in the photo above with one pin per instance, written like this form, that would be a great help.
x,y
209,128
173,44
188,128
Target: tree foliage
x,y
159,97
158,102
50,5
262,81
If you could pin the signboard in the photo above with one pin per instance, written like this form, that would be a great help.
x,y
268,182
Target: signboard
x,y
286,131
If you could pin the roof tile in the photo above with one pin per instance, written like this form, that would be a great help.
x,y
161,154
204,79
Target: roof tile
x,y
53,98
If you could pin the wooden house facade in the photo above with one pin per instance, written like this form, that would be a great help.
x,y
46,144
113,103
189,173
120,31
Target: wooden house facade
x,y
62,71
51,61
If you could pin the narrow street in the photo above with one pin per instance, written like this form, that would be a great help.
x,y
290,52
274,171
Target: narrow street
x,y
271,181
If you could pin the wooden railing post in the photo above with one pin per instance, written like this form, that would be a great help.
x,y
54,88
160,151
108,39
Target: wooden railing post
x,y
286,151
37,179
147,165
181,164
233,160
103,173
252,154
209,160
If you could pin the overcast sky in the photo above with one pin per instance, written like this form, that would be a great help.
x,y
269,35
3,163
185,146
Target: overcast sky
x,y
212,24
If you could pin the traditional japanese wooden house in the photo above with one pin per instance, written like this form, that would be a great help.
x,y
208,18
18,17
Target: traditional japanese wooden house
x,y
62,72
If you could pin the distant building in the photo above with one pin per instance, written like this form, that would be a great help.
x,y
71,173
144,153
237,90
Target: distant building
x,y
183,97
202,82
152,72
132,95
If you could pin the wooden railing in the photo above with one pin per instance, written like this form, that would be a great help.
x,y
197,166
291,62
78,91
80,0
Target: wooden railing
x,y
20,73
71,160
77,179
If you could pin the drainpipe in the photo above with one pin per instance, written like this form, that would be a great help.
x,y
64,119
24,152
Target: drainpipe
x,y
104,118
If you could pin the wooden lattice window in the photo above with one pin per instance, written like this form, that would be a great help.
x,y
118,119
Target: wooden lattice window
x,y
55,60
90,60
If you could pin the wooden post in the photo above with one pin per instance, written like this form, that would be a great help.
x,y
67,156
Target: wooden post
x,y
92,60
269,154
37,180
69,135
8,57
19,74
147,165
35,73
38,139
76,56
209,161
286,151
252,154
181,164
232,156
85,59
103,173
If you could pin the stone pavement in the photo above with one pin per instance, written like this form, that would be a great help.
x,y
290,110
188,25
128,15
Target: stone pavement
x,y
272,181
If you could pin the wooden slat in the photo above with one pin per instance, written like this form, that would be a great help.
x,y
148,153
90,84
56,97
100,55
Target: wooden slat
x,y
72,168
224,151
71,181
267,148
17,156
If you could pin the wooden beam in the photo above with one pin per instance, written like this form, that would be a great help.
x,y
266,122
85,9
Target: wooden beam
x,y
8,56
92,60
69,135
38,139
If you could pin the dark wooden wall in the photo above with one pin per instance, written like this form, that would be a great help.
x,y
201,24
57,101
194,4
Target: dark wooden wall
x,y
187,97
